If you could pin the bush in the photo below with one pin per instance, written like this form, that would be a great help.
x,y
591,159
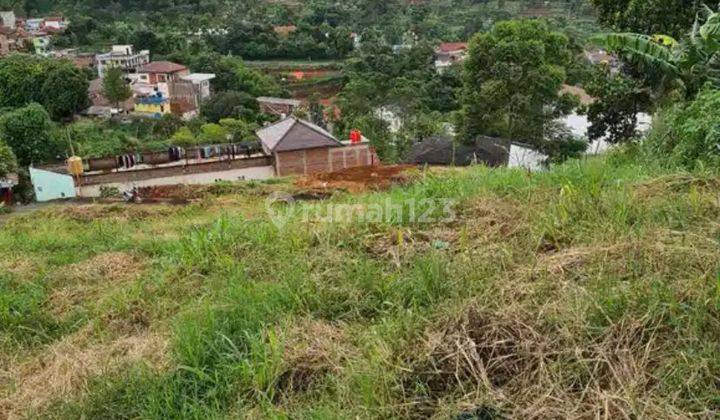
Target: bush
x,y
687,134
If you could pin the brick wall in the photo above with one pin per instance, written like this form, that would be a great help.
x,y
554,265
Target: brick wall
x,y
327,159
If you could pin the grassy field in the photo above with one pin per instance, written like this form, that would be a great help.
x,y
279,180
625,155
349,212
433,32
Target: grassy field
x,y
592,290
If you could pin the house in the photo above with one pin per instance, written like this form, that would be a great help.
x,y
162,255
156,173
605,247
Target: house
x,y
55,24
155,105
185,98
602,57
6,188
41,44
125,57
281,107
11,40
161,72
299,147
202,82
449,53
159,75
34,25
81,60
181,91
7,19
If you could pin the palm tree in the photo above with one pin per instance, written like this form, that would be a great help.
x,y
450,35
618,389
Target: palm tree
x,y
677,66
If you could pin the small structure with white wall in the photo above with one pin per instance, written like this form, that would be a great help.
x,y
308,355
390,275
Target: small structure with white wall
x,y
50,185
525,157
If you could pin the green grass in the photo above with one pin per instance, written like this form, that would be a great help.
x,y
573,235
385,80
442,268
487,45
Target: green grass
x,y
592,289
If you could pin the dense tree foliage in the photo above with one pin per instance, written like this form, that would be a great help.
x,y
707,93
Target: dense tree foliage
x,y
669,66
56,84
686,134
322,28
619,99
649,17
230,104
513,76
231,74
30,133
8,162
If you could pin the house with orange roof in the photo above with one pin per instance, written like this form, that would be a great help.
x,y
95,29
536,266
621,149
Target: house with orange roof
x,y
449,53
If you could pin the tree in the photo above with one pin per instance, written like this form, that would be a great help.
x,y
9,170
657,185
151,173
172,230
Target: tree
x,y
8,163
64,91
613,114
29,132
115,88
671,17
213,133
56,84
239,129
316,110
230,105
513,76
560,144
674,66
184,137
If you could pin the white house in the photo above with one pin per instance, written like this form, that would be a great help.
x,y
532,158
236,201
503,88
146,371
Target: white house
x,y
7,19
123,56
202,83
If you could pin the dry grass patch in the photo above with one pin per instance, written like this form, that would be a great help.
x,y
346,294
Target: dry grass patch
x,y
64,369
116,212
311,350
676,183
85,282
515,363
19,266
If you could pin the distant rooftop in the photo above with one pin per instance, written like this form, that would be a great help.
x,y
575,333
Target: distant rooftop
x,y
279,101
162,67
447,47
198,77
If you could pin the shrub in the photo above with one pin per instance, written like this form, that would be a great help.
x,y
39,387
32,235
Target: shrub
x,y
687,134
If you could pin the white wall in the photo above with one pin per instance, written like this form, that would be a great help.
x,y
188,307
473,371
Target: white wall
x,y
579,125
523,157
257,172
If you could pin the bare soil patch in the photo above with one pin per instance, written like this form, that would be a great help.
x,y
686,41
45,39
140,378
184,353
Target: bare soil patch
x,y
359,179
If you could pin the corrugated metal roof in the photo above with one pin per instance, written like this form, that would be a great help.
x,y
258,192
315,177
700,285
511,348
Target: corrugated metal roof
x,y
294,134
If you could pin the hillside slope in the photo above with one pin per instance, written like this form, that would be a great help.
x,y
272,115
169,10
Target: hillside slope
x,y
588,291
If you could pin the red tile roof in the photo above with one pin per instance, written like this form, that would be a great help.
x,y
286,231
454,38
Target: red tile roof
x,y
162,67
452,46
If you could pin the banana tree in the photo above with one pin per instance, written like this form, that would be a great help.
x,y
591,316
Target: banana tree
x,y
681,65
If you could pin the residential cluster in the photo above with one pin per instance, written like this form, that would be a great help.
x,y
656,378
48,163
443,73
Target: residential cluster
x,y
19,34
159,87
